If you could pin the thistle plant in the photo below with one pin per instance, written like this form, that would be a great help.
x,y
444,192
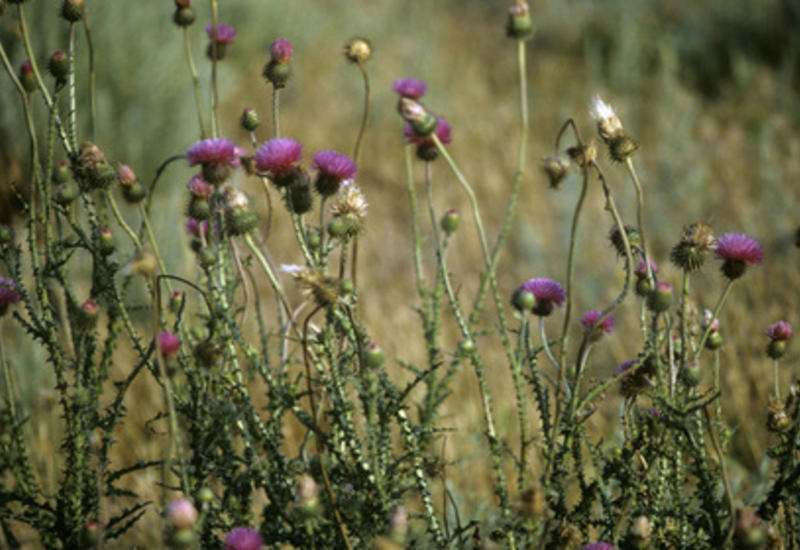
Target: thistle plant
x,y
266,339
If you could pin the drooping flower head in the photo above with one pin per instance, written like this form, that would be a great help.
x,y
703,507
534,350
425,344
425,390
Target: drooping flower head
x,y
548,294
225,34
280,51
243,538
426,147
737,251
409,87
332,169
279,157
216,156
605,326
168,344
9,294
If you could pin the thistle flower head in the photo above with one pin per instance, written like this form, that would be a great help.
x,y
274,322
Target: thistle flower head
x,y
168,344
280,51
9,294
548,294
641,271
278,156
426,147
358,50
409,87
737,251
243,538
332,169
199,187
126,175
181,514
608,124
193,227
214,151
590,318
780,331
223,34
696,240
350,202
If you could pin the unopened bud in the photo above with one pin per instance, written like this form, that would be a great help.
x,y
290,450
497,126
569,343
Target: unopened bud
x,y
87,314
105,242
58,65
176,300
373,356
556,169
660,298
422,122
691,374
72,10
27,77
358,50
450,221
523,300
520,24
181,514
249,120
239,218
205,495
184,16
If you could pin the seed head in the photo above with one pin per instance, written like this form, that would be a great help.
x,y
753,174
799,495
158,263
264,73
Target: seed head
x,y
324,289
358,50
690,252
777,419
351,206
556,169
608,124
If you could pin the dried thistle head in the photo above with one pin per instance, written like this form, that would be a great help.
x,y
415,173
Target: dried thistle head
x,y
556,168
777,419
239,217
583,155
634,239
696,241
608,124
325,290
358,50
349,212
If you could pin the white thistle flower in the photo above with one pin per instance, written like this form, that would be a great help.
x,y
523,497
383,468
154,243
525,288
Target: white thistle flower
x,y
608,124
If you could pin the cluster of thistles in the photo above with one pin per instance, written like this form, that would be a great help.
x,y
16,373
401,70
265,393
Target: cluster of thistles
x,y
421,125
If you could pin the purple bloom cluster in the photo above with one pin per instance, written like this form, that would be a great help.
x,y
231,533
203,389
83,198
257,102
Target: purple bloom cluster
x,y
281,50
9,294
278,156
225,33
590,318
332,169
740,248
547,292
780,331
214,151
243,538
410,87
199,187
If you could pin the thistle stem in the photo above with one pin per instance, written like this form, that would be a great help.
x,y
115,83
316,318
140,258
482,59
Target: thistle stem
x,y
214,59
187,42
365,117
710,323
276,122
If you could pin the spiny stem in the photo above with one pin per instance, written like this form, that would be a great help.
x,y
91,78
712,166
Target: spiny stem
x,y
415,232
776,378
92,78
187,42
121,220
73,110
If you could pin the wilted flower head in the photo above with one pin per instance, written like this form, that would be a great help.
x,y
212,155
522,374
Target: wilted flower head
x,y
737,251
608,124
426,147
280,51
9,294
780,331
556,168
243,538
199,187
590,318
181,514
350,202
409,87
696,240
225,34
332,169
168,344
278,156
548,294
324,289
358,50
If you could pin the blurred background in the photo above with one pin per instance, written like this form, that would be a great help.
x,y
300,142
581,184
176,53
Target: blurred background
x,y
709,89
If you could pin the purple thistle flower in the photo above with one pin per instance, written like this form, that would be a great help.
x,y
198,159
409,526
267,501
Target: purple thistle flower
x,y
225,33
625,366
193,227
278,156
780,331
655,411
548,294
410,87
737,250
281,51
217,151
168,344
9,294
641,271
426,148
332,169
598,546
590,318
199,187
243,538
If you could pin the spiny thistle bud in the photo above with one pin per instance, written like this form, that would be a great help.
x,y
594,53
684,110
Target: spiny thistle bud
x,y
105,241
643,286
314,238
358,50
205,495
62,172
660,298
239,217
634,240
277,71
58,65
519,24
87,314
176,300
92,169
220,36
9,294
183,16
132,191
181,514
779,335
90,534
747,531
250,120
198,208
691,374
72,10
307,494
556,169
522,299
450,221
690,252
422,122
298,194
66,193
714,339
777,419
466,346
208,352
6,235
27,77
373,356
622,148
